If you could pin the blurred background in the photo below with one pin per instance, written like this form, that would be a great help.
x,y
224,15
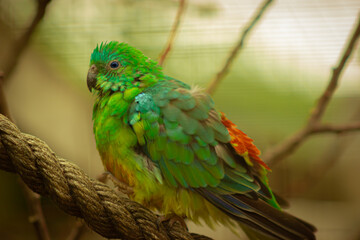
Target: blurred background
x,y
269,92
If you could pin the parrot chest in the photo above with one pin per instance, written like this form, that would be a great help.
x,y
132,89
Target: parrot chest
x,y
117,142
118,147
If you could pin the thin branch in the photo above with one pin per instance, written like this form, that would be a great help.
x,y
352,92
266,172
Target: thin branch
x,y
327,128
279,152
20,45
317,173
234,52
36,216
173,32
330,157
77,230
323,101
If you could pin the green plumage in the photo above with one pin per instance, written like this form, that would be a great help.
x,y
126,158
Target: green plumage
x,y
166,141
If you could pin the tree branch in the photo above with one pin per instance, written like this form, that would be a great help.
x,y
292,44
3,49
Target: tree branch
x,y
234,52
77,230
173,32
36,216
279,152
323,101
74,192
328,128
20,45
331,155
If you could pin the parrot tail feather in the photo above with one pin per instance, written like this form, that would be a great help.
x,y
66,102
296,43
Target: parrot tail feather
x,y
261,218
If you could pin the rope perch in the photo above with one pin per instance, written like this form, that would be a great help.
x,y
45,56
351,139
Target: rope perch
x,y
74,192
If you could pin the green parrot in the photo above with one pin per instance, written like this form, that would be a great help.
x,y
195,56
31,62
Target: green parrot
x,y
166,142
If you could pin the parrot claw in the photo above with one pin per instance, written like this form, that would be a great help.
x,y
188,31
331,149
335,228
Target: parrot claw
x,y
172,218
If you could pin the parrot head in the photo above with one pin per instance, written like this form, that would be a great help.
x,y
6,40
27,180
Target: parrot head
x,y
116,66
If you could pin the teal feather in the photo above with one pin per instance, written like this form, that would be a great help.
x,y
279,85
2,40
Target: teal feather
x,y
171,112
203,153
177,134
241,173
204,103
224,154
134,118
186,155
198,113
173,94
220,131
213,159
200,141
222,136
240,180
189,124
190,177
154,152
153,131
170,125
166,172
233,187
151,116
163,94
238,169
160,142
147,126
209,179
161,102
196,173
171,149
216,170
185,102
205,133
173,168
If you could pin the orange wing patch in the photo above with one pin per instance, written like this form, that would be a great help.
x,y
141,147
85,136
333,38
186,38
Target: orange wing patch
x,y
242,144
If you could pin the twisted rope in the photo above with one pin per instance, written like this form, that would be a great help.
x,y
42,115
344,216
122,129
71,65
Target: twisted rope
x,y
75,193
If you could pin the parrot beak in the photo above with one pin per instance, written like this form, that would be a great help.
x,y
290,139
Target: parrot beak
x,y
91,77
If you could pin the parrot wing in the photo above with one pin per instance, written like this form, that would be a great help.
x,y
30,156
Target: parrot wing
x,y
197,148
182,133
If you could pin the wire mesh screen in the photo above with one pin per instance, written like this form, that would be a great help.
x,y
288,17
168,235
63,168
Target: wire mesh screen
x,y
269,91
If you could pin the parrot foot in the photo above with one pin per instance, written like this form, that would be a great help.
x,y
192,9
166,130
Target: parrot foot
x,y
121,186
172,218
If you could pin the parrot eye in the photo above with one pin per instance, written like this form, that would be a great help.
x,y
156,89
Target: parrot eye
x,y
114,64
